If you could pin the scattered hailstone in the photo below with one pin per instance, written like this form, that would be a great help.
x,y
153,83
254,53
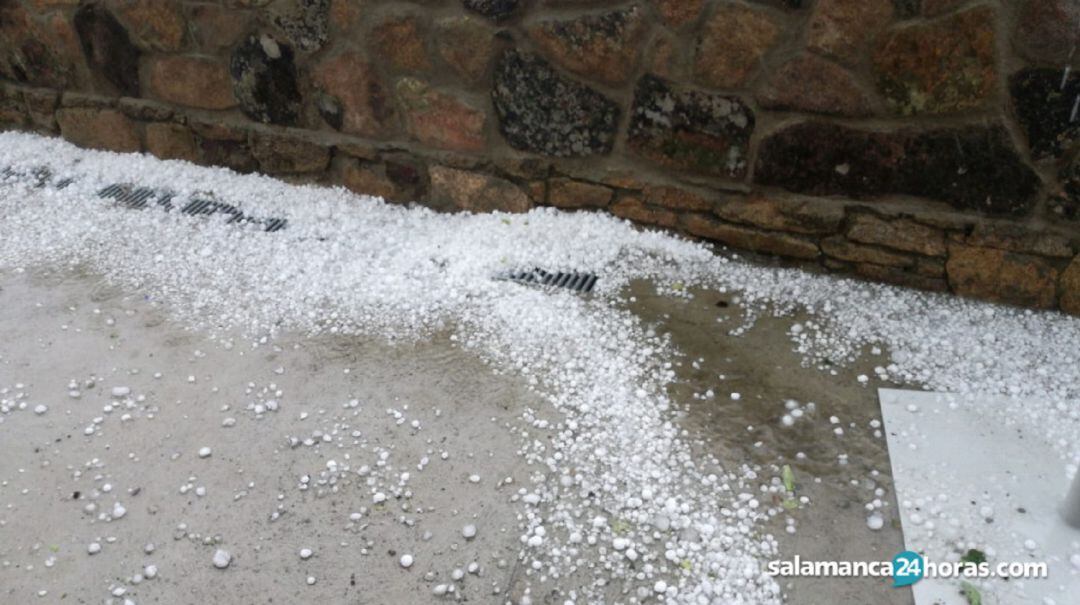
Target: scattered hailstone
x,y
40,409
875,522
469,531
121,392
204,452
150,571
406,561
305,553
222,558
93,548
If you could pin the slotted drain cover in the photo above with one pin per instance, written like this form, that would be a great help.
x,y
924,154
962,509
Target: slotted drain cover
x,y
142,197
576,282
136,197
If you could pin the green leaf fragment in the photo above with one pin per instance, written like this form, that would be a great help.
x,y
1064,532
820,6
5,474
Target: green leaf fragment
x,y
788,477
972,594
975,556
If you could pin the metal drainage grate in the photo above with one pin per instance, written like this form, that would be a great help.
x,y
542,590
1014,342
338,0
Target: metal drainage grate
x,y
576,282
141,197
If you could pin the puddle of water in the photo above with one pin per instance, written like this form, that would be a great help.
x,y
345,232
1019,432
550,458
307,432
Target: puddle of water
x,y
762,368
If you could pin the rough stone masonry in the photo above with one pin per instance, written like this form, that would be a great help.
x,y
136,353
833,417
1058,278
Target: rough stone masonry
x,y
927,143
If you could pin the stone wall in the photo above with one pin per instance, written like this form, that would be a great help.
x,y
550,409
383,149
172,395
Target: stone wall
x,y
929,143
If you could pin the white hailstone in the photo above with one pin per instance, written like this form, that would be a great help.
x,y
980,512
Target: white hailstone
x,y
469,531
406,561
93,548
222,559
787,420
74,394
1030,544
439,590
150,571
457,574
620,543
228,422
1075,560
660,586
735,397
204,452
120,392
310,580
149,548
875,522
862,378
305,553
118,510
378,498
473,567
40,409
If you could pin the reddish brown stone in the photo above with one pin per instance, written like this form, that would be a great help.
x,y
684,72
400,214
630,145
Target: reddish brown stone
x,y
41,106
662,60
933,267
632,208
400,42
36,53
353,82
191,81
440,119
900,277
1070,288
170,141
899,235
345,14
1017,238
218,131
453,189
810,83
602,47
678,13
754,240
733,42
231,154
842,28
943,66
841,248
284,154
1001,276
1046,31
801,216
154,24
675,198
368,179
216,28
467,45
568,193
98,128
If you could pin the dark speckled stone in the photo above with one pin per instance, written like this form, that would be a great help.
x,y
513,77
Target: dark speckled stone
x,y
264,80
1044,108
496,10
108,48
971,168
689,129
542,112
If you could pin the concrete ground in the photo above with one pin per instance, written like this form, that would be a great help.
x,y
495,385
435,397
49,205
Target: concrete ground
x,y
294,478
